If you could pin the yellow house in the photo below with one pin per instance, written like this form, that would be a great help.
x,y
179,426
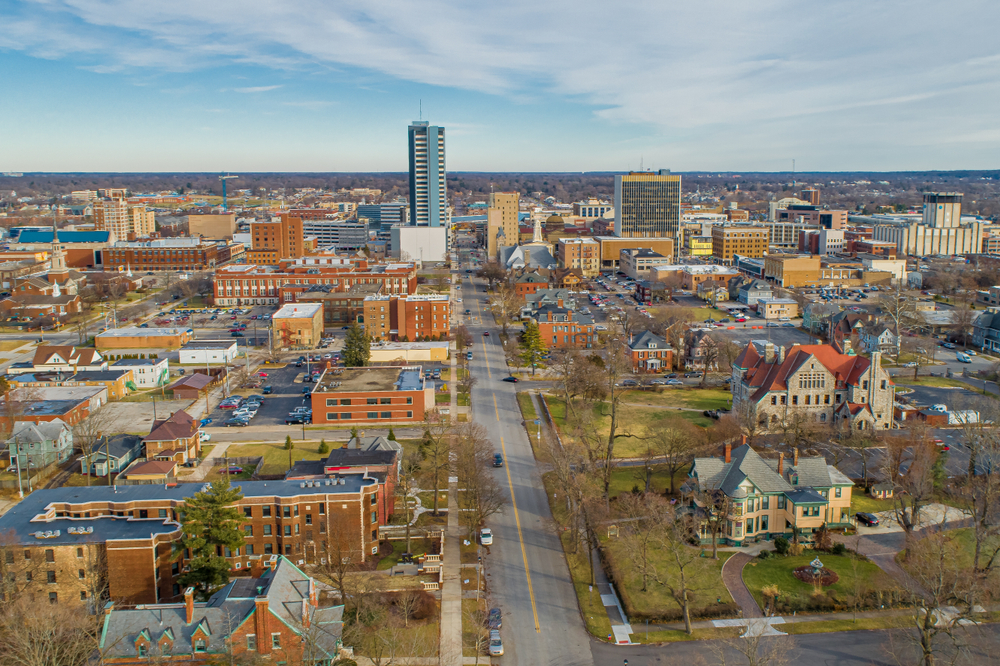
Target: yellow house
x,y
771,498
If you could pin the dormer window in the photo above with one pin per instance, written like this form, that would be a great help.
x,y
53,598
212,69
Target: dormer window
x,y
140,649
199,645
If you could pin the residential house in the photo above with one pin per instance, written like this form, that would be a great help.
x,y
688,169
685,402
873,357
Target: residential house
x,y
754,291
38,445
529,283
815,383
768,498
192,387
845,323
816,317
733,286
713,292
698,344
777,308
120,450
879,337
563,327
650,353
562,298
64,359
272,614
567,278
650,292
175,438
146,372
986,331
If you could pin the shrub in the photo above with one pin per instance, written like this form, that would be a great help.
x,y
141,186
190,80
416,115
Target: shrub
x,y
781,545
323,446
838,549
796,549
823,539
764,554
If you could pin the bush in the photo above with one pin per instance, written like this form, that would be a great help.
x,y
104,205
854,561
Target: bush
x,y
781,545
764,554
838,549
323,446
426,606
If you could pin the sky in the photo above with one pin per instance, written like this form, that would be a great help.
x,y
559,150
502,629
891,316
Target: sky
x,y
519,85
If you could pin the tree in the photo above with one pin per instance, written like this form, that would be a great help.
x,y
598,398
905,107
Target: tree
x,y
710,355
92,434
507,304
670,323
209,521
340,555
40,634
681,556
899,307
405,486
717,507
324,448
357,347
532,346
288,447
484,496
492,272
914,489
463,338
436,447
676,447
861,443
962,318
643,532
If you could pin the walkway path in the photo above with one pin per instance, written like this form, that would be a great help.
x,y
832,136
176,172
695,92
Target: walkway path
x,y
450,647
732,577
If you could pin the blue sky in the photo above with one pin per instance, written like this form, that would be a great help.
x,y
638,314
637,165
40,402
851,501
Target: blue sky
x,y
322,85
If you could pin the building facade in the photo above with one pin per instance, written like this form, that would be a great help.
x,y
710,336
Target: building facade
x,y
387,395
276,239
583,254
298,325
416,317
126,221
428,177
744,240
166,254
502,218
648,205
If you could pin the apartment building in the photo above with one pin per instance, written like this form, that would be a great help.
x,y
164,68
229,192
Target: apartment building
x,y
744,240
165,254
428,176
592,209
561,327
583,254
386,395
276,239
502,217
414,317
818,383
124,220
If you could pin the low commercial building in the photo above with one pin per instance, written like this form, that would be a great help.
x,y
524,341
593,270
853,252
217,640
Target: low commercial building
x,y
777,308
205,352
298,325
789,270
612,246
637,263
192,387
387,395
887,264
143,338
404,353
340,308
146,372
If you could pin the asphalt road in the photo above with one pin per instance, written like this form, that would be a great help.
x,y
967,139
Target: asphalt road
x,y
526,570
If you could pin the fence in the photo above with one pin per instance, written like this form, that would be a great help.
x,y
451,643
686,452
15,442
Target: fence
x,y
256,461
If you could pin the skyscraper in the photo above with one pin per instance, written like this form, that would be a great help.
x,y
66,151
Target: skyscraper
x,y
502,215
648,205
428,187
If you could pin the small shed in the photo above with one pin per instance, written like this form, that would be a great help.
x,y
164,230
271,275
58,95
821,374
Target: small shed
x,y
191,386
151,471
881,490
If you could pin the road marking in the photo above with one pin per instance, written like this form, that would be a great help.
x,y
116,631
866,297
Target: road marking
x,y
517,521
497,411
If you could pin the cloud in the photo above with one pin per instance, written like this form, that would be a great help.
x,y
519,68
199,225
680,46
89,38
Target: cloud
x,y
256,89
706,73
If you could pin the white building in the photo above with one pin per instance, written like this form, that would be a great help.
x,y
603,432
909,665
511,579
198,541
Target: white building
x,y
831,241
875,263
637,262
146,372
205,352
420,244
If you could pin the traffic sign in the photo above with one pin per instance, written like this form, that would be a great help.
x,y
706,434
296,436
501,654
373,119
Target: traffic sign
x,y
538,422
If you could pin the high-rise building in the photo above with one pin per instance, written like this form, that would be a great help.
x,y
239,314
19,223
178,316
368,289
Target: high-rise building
x,y
942,209
125,221
648,205
428,187
501,216
811,195
276,239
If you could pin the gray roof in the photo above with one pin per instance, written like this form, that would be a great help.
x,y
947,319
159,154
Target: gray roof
x,y
376,443
746,464
117,446
284,587
43,431
644,339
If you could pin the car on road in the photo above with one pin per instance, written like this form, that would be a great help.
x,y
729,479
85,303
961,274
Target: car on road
x,y
948,345
204,437
236,422
910,364
869,519
267,390
306,390
497,460
468,356
788,325
468,311
296,419
486,536
511,379
496,644
695,373
629,382
672,375
674,382
486,334
657,382
495,619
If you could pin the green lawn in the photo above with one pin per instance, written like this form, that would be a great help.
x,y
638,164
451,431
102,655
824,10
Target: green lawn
x,y
417,547
707,398
275,456
940,382
867,503
527,407
442,398
623,479
704,576
797,595
863,624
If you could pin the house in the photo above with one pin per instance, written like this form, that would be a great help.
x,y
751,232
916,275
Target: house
x,y
29,306
816,317
567,278
562,298
697,343
149,471
146,372
272,614
191,387
753,291
563,327
650,292
175,437
816,383
986,331
845,323
713,292
777,308
881,490
120,450
529,283
64,359
878,337
733,286
650,353
769,498
38,445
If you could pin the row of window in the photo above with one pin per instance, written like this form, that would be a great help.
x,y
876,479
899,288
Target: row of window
x,y
370,416
346,402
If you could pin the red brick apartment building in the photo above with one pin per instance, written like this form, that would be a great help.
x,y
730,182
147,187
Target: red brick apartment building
x,y
275,239
387,395
562,327
248,284
129,531
273,614
161,256
414,317
530,283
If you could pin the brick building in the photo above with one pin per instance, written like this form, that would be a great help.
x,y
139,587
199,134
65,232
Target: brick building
x,y
413,317
134,337
744,240
371,394
581,253
529,283
562,327
167,254
340,308
275,239
298,325
650,353
174,438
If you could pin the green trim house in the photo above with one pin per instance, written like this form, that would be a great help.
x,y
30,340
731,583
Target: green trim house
x,y
38,445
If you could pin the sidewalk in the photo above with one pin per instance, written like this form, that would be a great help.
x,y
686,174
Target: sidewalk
x,y
450,644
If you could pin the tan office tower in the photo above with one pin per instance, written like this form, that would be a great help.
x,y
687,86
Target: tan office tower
x,y
648,205
125,221
502,215
942,209
812,196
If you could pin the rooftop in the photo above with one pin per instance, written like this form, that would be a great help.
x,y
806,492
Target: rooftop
x,y
133,362
210,344
133,331
358,380
298,311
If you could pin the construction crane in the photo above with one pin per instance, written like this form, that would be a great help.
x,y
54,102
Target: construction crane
x,y
224,178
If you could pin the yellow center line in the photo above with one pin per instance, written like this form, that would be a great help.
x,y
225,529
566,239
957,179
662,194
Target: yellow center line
x,y
495,409
517,521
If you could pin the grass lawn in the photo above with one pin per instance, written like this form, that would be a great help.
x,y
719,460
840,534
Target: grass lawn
x,y
704,576
527,407
863,624
866,503
462,399
672,636
275,456
707,398
427,499
623,479
11,345
940,382
418,546
216,474
206,449
638,420
442,398
778,571
594,615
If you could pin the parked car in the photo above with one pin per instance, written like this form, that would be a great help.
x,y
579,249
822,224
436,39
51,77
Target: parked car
x,y
236,421
486,536
204,437
267,390
869,519
233,469
695,373
495,619
496,644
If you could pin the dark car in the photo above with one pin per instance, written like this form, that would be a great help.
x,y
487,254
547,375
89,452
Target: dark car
x,y
306,390
672,375
688,375
297,419
869,519
235,422
495,618
236,334
497,460
512,379
267,390
233,469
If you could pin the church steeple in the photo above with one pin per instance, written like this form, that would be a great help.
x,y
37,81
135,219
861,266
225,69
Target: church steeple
x,y
57,271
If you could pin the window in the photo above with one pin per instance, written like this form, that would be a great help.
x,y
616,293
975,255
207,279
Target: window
x,y
81,574
267,530
781,501
409,400
322,509
175,568
140,649
266,511
288,549
864,385
249,548
374,517
765,502
83,595
309,519
162,513
774,400
199,645
286,512
332,416
50,555
268,549
345,402
763,523
795,399
276,641
288,530
331,402
372,401
143,513
838,492
372,415
248,512
783,400
10,555
385,415
826,399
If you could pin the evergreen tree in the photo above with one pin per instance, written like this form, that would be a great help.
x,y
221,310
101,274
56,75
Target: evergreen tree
x,y
323,448
288,443
354,432
532,346
392,435
357,349
209,521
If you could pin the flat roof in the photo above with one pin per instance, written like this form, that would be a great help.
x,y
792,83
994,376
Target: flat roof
x,y
411,345
210,344
356,380
131,362
298,311
136,332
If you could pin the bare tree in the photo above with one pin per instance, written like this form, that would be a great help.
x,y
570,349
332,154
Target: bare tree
x,y
484,496
463,338
643,532
670,323
716,508
340,556
753,649
40,634
675,448
677,577
17,572
962,318
507,304
436,447
914,489
404,487
493,272
92,434
899,307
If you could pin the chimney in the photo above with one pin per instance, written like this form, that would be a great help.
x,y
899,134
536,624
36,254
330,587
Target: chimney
x,y
305,612
188,605
781,464
108,607
743,440
729,452
769,352
256,567
795,457
780,354
312,592
261,625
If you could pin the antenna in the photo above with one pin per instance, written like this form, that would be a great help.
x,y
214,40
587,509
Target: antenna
x,y
421,109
